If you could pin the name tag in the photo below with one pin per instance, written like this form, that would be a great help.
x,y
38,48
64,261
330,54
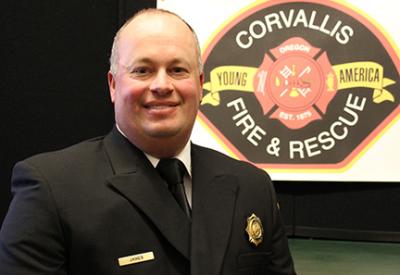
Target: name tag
x,y
135,259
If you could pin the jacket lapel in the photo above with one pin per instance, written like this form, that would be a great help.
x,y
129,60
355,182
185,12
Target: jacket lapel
x,y
137,180
214,198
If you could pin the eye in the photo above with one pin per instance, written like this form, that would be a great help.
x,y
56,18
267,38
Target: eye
x,y
141,71
179,71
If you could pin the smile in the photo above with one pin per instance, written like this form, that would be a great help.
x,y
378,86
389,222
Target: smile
x,y
161,108
160,105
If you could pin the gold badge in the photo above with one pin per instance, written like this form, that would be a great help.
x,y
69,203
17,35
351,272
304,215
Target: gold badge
x,y
254,229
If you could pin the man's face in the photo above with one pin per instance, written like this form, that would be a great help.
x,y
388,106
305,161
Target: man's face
x,y
157,88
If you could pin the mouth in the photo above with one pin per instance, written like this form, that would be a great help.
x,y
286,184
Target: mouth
x,y
161,106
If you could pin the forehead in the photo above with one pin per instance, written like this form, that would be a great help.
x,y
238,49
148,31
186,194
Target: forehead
x,y
156,29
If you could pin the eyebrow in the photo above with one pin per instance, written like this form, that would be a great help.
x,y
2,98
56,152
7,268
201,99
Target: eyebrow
x,y
140,60
149,61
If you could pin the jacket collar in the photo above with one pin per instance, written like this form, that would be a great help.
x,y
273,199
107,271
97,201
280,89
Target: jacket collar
x,y
183,156
214,199
137,180
203,240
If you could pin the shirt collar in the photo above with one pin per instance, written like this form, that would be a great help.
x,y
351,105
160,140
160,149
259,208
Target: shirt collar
x,y
183,156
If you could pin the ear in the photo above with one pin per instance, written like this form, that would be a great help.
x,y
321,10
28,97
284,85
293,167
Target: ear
x,y
201,78
111,86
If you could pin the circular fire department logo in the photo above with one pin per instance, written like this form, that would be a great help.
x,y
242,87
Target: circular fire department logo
x,y
299,84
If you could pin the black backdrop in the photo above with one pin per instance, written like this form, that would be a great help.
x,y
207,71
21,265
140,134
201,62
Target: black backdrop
x,y
54,60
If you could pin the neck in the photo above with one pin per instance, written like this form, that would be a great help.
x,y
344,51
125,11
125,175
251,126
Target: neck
x,y
159,147
162,149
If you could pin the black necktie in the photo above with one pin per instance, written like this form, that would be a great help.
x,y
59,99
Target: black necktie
x,y
172,171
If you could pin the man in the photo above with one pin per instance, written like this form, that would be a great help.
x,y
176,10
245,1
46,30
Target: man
x,y
101,207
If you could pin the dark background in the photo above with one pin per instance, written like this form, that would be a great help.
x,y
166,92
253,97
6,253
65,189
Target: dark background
x,y
54,61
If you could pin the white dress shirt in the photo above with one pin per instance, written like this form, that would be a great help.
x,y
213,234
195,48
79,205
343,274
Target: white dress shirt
x,y
186,159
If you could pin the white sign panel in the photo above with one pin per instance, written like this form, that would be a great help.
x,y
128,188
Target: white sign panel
x,y
307,90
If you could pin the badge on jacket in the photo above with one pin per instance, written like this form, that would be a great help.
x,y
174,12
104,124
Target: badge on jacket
x,y
254,229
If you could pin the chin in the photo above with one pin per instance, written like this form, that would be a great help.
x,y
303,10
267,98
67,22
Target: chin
x,y
162,133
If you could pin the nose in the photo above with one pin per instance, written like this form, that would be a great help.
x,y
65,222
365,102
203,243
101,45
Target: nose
x,y
161,83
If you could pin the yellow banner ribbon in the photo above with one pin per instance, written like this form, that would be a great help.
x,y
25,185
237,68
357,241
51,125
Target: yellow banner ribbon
x,y
364,74
349,75
236,78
